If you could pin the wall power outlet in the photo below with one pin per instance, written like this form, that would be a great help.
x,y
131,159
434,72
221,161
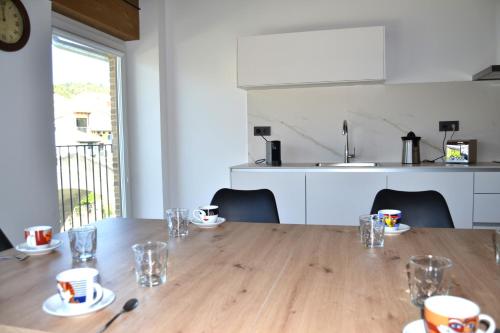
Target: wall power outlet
x,y
262,130
448,126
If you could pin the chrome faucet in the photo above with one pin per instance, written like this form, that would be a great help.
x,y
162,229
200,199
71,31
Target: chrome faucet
x,y
345,132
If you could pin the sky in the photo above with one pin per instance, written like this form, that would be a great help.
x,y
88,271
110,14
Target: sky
x,y
70,66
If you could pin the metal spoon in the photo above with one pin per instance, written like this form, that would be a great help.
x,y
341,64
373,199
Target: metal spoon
x,y
128,306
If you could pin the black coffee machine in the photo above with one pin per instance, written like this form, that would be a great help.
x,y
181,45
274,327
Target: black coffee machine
x,y
273,153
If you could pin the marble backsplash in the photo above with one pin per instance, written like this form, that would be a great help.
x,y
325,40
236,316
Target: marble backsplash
x,y
308,121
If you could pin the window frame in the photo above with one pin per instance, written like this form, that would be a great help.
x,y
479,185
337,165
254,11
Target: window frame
x,y
81,33
78,124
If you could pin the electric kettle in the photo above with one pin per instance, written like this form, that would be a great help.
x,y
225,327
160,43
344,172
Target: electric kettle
x,y
411,149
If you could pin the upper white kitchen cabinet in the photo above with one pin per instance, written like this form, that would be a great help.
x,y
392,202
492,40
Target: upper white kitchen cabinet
x,y
312,57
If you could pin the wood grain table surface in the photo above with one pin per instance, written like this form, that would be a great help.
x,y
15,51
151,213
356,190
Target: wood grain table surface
x,y
12,329
247,277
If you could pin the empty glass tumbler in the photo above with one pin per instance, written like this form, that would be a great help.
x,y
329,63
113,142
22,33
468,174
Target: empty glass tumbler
x,y
177,220
371,230
428,276
151,263
83,242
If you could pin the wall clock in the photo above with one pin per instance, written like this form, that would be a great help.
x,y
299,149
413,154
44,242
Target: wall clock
x,y
14,25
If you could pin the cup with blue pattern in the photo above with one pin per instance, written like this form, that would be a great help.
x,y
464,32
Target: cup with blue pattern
x,y
391,218
78,287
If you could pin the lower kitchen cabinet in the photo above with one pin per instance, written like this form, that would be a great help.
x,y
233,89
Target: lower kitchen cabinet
x,y
339,198
487,198
456,187
288,189
487,208
307,196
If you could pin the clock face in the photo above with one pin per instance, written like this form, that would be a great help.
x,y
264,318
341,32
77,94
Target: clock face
x,y
11,22
14,25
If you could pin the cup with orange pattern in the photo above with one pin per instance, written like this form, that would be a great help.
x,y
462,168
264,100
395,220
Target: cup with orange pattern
x,y
79,288
38,237
451,314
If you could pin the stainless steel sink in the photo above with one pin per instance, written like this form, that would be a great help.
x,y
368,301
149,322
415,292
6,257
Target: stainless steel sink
x,y
352,165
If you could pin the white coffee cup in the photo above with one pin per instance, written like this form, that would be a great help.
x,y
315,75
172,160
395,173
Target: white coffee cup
x,y
450,314
78,287
38,236
206,214
391,218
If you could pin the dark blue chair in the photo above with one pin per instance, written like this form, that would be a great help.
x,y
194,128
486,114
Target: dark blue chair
x,y
426,209
5,244
246,205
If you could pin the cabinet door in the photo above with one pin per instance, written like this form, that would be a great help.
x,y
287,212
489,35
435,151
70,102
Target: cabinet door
x,y
456,188
288,189
487,197
487,208
312,57
487,182
340,198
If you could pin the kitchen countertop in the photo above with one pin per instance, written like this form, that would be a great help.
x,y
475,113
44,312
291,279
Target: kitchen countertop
x,y
381,167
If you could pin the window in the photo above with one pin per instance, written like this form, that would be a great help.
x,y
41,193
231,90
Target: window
x,y
81,124
87,113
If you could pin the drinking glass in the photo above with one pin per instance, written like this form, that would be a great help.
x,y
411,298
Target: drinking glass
x,y
177,220
371,230
83,242
428,276
497,245
151,263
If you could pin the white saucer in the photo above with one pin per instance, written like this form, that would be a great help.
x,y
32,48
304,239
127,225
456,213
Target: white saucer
x,y
205,225
402,228
418,326
54,305
23,247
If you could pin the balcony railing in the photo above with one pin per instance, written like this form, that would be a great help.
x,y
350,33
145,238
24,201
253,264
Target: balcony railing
x,y
86,184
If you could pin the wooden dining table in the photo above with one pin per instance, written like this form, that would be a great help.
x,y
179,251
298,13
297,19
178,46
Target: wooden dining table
x,y
253,277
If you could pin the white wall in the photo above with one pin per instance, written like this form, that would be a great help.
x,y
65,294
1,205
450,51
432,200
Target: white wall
x,y
427,41
28,183
207,113
144,144
308,121
498,33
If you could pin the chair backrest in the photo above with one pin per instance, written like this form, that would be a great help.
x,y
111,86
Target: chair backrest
x,y
246,205
5,244
418,209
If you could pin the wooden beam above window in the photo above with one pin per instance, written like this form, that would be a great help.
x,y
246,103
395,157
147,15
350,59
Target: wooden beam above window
x,y
119,18
134,3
